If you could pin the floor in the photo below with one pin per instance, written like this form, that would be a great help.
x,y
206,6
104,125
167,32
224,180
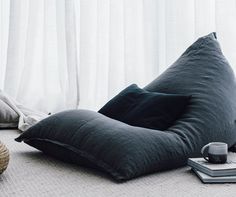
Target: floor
x,y
31,173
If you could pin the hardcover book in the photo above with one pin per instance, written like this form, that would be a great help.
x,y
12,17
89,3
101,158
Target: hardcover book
x,y
214,170
210,179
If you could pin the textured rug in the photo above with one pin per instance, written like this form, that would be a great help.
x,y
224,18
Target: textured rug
x,y
31,173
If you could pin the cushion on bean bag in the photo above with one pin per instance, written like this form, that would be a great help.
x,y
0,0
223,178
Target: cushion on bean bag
x,y
139,107
92,139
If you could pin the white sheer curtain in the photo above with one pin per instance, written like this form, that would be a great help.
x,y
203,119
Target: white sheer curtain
x,y
133,41
39,53
102,45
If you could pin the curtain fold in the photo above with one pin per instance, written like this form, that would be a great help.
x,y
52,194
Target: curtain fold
x,y
61,54
41,67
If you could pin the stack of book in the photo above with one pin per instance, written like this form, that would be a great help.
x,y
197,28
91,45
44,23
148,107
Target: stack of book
x,y
213,173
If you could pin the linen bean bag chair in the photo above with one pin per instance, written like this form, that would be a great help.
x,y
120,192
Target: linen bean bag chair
x,y
125,151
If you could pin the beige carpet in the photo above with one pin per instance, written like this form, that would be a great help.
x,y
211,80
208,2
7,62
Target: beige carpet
x,y
31,173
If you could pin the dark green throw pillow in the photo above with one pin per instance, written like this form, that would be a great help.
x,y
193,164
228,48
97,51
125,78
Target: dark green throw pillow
x,y
139,107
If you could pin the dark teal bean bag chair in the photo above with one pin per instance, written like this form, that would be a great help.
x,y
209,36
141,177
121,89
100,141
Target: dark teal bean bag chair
x,y
125,151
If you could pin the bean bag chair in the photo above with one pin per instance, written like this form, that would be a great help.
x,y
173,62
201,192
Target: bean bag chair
x,y
126,151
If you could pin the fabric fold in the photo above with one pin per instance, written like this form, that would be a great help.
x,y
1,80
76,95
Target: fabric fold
x,y
26,117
